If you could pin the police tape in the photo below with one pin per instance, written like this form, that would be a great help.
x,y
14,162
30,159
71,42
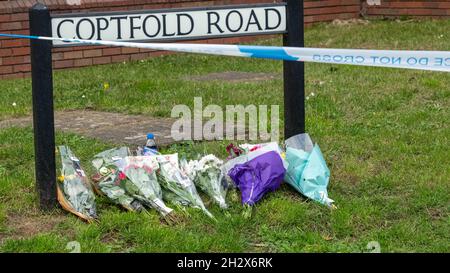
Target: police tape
x,y
422,60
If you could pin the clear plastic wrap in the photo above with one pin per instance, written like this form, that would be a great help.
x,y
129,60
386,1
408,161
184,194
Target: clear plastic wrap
x,y
107,178
75,193
208,176
141,181
174,180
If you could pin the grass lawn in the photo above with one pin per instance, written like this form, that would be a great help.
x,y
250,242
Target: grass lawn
x,y
384,133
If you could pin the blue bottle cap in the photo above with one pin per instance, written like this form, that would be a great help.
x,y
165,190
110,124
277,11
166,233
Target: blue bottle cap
x,y
150,136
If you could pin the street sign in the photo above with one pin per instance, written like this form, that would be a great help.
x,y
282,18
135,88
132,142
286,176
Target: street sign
x,y
172,24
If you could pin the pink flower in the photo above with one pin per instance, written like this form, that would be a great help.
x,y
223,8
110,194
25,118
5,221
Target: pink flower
x,y
233,151
122,176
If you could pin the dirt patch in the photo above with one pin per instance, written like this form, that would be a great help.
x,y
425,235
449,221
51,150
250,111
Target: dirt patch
x,y
236,77
346,177
436,213
24,226
110,238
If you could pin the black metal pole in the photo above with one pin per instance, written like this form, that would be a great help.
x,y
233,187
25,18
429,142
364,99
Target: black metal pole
x,y
43,116
294,72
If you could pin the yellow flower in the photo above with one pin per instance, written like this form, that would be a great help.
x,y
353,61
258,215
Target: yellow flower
x,y
105,86
61,178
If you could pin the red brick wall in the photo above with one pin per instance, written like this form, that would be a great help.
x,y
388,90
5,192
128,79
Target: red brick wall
x,y
328,10
14,53
422,8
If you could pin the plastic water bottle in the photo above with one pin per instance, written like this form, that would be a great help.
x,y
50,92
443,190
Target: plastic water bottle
x,y
150,147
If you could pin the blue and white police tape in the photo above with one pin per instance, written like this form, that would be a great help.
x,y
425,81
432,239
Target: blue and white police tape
x,y
423,60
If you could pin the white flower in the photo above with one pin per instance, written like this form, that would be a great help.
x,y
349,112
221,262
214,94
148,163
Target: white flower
x,y
307,97
195,166
14,104
83,96
312,94
210,160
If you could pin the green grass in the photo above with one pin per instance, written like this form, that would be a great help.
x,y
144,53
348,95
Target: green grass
x,y
384,134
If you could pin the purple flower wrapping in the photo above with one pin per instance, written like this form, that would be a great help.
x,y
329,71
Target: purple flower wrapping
x,y
258,176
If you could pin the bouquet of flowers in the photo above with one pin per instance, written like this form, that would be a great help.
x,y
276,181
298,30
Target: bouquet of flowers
x,y
107,179
74,192
142,184
257,170
207,175
258,176
307,172
248,152
175,181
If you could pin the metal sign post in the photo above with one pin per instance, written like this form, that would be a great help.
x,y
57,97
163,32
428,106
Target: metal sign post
x,y
294,72
43,115
191,23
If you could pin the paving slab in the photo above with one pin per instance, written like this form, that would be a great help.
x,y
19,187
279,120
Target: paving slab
x,y
107,126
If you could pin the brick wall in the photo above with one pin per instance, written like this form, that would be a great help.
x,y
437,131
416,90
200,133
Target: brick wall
x,y
15,53
414,8
328,10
